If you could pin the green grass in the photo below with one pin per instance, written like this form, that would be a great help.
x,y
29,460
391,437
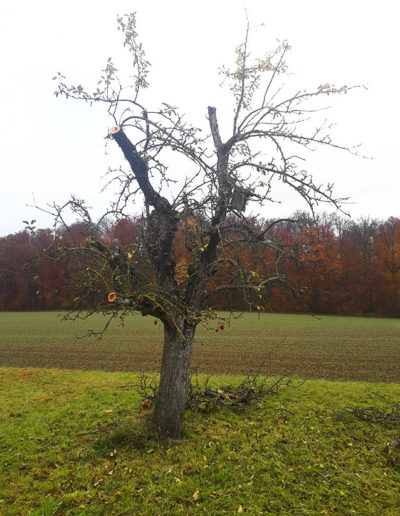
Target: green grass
x,y
74,442
331,347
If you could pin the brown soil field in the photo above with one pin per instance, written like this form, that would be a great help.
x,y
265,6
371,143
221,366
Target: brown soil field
x,y
330,347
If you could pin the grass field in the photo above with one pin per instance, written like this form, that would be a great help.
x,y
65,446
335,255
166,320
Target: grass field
x,y
75,442
330,347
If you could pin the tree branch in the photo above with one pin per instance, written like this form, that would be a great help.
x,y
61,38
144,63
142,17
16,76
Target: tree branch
x,y
139,168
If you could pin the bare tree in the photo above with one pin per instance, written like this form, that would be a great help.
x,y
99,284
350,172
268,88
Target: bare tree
x,y
226,180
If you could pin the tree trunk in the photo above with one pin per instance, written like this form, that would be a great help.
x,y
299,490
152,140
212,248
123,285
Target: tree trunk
x,y
174,380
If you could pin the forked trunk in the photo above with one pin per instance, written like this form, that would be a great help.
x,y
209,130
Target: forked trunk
x,y
174,380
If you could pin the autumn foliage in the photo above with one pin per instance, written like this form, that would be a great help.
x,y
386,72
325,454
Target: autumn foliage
x,y
332,265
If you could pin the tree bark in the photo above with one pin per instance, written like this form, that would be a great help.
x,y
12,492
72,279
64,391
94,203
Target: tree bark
x,y
174,381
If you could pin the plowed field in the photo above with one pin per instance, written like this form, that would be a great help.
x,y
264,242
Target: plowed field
x,y
335,348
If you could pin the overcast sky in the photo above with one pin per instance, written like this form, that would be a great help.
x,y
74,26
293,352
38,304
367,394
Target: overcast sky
x,y
51,148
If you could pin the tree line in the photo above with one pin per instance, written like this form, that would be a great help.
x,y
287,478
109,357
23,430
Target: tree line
x,y
330,265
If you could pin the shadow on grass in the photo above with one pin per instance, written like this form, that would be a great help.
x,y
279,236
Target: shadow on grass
x,y
126,435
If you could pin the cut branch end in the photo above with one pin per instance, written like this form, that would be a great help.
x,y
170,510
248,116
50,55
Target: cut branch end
x,y
115,129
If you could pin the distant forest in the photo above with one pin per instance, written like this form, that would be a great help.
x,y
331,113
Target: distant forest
x,y
332,265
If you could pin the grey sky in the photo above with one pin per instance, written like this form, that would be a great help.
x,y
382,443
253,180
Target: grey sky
x,y
52,148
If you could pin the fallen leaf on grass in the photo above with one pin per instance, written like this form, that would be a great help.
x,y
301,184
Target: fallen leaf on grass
x,y
240,509
107,411
146,405
196,495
